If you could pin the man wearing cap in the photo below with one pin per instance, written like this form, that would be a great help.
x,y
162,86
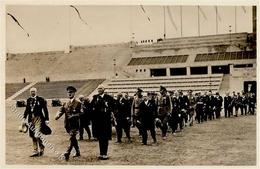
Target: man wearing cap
x,y
184,106
37,112
71,109
123,117
135,110
103,107
84,118
164,110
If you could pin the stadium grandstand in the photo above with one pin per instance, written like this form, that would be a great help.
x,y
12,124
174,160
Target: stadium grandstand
x,y
220,62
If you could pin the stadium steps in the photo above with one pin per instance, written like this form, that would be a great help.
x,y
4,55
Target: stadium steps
x,y
89,87
225,84
12,90
55,89
184,83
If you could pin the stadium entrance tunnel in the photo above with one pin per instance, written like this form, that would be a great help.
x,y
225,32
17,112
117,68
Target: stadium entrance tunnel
x,y
199,70
222,69
250,86
158,72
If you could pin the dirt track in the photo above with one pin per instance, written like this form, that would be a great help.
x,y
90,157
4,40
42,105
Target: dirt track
x,y
220,142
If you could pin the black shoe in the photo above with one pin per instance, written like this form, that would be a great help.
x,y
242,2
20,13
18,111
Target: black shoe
x,y
76,155
67,156
129,141
119,141
41,153
103,157
35,155
81,138
144,143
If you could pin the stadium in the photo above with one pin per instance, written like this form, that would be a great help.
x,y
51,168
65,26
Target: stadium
x,y
217,62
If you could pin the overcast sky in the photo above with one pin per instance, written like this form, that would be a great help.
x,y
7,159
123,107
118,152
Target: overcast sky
x,y
55,27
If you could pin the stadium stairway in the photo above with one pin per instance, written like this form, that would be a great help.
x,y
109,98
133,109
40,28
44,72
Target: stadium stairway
x,y
22,90
184,83
57,89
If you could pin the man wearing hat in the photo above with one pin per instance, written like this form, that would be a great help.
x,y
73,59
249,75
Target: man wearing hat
x,y
164,110
103,107
37,112
135,110
71,109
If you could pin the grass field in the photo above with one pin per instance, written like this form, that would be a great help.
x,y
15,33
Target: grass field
x,y
220,142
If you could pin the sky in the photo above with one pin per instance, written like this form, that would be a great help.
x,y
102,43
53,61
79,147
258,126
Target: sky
x,y
54,28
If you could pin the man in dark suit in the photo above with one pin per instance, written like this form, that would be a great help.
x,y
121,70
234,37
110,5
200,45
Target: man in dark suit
x,y
227,105
103,107
238,104
218,105
84,118
184,106
148,113
176,118
37,112
71,109
210,106
122,115
200,108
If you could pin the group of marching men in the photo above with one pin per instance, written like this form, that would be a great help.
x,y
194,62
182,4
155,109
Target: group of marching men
x,y
146,111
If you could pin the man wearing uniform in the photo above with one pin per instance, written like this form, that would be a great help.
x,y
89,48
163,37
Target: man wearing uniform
x,y
103,107
199,108
84,118
205,106
71,109
37,112
135,110
227,105
191,110
164,110
148,113
122,115
218,105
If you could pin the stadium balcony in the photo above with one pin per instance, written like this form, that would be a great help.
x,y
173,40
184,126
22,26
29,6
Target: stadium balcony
x,y
57,89
184,83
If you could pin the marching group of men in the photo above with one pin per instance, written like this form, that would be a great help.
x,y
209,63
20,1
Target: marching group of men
x,y
167,110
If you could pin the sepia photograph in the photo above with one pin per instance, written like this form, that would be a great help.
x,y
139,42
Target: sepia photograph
x,y
134,84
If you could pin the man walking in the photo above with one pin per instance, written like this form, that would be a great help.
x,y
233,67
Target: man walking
x,y
103,107
37,113
71,109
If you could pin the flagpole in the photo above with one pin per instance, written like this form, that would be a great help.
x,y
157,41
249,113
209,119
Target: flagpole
x,y
181,18
164,23
199,20
69,27
235,19
216,20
